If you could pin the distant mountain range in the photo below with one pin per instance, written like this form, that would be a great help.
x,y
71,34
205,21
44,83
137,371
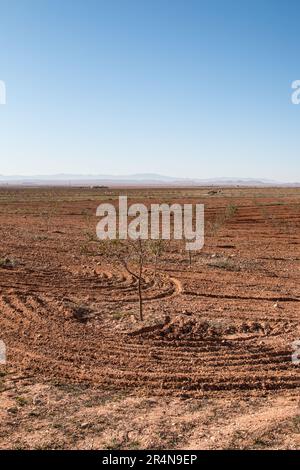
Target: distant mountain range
x,y
139,179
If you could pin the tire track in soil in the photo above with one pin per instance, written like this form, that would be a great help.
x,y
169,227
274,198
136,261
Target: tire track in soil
x,y
123,287
158,361
173,358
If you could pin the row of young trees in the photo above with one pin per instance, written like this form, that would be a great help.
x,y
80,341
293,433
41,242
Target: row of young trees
x,y
135,256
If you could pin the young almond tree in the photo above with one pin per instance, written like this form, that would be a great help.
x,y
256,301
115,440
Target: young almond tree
x,y
185,252
156,248
132,255
222,218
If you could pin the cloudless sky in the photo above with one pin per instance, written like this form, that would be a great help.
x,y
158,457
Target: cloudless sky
x,y
177,87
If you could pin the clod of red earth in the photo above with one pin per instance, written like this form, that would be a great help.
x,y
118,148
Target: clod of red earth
x,y
81,313
183,327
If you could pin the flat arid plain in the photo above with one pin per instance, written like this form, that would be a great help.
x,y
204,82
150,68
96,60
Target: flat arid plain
x,y
210,367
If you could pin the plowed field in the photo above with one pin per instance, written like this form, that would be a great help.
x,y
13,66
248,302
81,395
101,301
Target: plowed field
x,y
222,328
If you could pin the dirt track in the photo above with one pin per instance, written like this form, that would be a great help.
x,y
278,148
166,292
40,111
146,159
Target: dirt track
x,y
223,328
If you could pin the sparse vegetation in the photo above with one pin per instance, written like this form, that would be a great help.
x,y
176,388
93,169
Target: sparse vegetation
x,y
75,305
7,263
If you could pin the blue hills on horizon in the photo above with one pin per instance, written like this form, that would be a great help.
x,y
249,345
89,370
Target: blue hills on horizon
x,y
139,178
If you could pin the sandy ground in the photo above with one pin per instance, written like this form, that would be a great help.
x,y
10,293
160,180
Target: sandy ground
x,y
210,367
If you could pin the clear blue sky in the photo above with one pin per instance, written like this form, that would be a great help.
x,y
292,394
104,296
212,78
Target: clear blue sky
x,y
183,88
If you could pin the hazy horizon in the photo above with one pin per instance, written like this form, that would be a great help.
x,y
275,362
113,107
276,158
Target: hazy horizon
x,y
140,178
